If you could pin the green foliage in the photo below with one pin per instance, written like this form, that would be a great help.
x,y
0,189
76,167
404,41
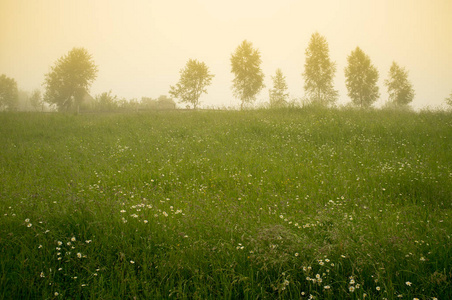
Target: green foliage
x,y
194,80
319,72
279,204
163,102
106,102
36,100
248,76
68,82
9,94
279,95
449,100
400,89
361,79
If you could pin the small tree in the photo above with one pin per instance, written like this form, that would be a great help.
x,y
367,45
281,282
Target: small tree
x,y
319,72
36,100
449,100
9,94
400,90
249,78
69,79
194,79
278,95
106,102
361,79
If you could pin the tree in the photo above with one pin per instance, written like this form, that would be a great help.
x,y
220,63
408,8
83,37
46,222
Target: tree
x,y
36,100
69,79
449,100
106,102
319,72
278,95
9,94
194,79
361,79
400,90
249,78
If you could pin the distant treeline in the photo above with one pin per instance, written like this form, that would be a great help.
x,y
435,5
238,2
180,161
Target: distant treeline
x,y
67,84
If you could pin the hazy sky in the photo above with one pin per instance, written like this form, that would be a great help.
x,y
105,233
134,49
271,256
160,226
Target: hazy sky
x,y
140,45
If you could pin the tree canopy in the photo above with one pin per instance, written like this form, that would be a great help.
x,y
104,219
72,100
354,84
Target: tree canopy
x,y
249,78
279,94
361,79
36,100
9,94
194,80
70,79
400,89
449,100
319,72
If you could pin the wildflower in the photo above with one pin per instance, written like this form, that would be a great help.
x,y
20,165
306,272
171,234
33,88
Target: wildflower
x,y
399,296
317,276
296,254
326,287
42,275
378,288
73,239
165,214
59,243
422,258
68,243
79,255
145,221
88,241
408,283
29,225
122,211
40,246
60,269
351,289
352,281
56,294
27,220
415,298
132,262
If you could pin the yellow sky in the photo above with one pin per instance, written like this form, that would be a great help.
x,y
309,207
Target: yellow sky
x,y
140,45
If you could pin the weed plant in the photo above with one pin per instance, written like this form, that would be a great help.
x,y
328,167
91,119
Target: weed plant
x,y
267,204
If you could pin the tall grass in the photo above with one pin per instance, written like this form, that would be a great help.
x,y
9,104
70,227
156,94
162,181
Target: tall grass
x,y
300,203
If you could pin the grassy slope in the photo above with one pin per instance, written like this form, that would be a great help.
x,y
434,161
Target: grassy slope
x,y
226,204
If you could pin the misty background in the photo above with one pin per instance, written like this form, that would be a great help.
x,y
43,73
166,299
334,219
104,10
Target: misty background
x,y
141,45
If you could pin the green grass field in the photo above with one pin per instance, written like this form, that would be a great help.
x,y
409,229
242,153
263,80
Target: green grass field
x,y
284,204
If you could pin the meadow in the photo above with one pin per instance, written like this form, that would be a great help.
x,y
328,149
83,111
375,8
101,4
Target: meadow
x,y
268,204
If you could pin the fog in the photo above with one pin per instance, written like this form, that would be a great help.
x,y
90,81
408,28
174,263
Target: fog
x,y
141,45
